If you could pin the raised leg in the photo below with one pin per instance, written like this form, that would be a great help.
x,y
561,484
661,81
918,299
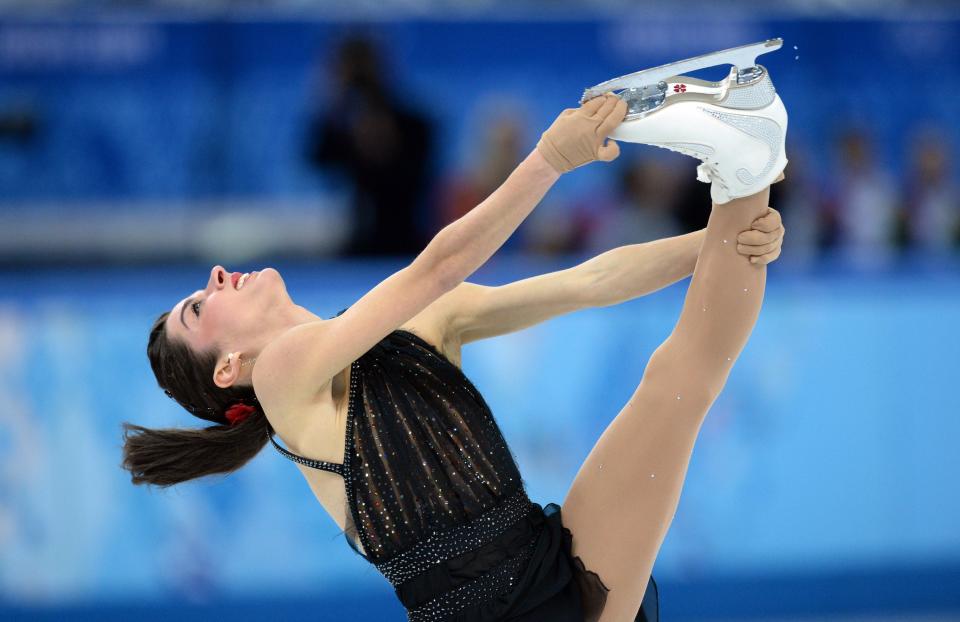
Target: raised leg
x,y
625,494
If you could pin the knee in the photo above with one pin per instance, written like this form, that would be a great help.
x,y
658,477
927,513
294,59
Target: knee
x,y
676,372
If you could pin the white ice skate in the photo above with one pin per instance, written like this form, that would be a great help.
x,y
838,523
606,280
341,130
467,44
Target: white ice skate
x,y
736,127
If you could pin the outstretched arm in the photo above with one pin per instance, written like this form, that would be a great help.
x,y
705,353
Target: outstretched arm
x,y
636,270
470,312
576,137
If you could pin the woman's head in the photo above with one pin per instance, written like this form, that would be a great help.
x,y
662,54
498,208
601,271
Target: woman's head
x,y
201,352
202,348
234,313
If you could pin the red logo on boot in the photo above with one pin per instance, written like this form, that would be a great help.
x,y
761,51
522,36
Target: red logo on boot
x,y
679,88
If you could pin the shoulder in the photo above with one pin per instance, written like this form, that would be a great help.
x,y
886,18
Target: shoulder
x,y
271,376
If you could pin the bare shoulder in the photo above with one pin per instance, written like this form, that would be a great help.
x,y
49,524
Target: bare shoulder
x,y
435,324
271,375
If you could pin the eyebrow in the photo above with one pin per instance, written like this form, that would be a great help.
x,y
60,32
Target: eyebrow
x,y
182,309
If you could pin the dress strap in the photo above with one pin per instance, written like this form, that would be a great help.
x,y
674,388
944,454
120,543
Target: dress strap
x,y
314,464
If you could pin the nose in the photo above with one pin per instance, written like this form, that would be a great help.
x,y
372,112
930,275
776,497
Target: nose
x,y
218,276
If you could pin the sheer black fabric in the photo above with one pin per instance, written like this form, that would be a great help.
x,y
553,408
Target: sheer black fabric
x,y
427,454
436,500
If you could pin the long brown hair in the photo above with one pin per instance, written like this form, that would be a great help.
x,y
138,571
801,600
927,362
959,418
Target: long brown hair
x,y
164,457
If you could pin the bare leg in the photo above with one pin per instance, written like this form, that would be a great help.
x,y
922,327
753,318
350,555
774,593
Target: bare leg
x,y
620,513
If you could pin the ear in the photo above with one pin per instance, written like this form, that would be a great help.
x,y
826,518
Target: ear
x,y
227,370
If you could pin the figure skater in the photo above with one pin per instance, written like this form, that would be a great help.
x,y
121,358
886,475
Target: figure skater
x,y
400,447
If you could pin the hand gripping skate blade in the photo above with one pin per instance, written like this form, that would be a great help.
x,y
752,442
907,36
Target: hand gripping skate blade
x,y
740,57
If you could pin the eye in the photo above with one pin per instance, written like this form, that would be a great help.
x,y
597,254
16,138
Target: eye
x,y
196,308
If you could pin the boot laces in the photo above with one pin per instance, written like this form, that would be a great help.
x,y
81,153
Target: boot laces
x,y
714,175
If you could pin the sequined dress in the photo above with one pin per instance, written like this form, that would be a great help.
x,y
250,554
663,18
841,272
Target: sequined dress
x,y
436,499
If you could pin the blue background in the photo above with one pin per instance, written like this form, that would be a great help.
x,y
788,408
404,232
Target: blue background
x,y
209,108
824,479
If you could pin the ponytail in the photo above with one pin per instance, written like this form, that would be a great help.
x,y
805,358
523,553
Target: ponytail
x,y
168,456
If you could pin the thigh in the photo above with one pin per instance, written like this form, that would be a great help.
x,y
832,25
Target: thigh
x,y
624,496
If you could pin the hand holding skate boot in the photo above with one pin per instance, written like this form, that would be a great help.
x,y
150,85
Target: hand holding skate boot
x,y
736,127
578,135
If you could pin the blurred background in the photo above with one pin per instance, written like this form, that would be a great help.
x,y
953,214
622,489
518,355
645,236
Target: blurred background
x,y
142,142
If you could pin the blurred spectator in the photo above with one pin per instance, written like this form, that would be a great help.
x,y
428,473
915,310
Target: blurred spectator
x,y
798,200
861,207
503,140
18,124
931,213
643,208
383,146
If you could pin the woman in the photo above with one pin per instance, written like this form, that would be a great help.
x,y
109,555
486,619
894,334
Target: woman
x,y
398,445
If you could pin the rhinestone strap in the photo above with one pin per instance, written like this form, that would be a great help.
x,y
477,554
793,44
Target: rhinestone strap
x,y
323,465
456,541
497,581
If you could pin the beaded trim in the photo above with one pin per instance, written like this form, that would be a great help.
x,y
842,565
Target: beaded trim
x,y
456,541
342,470
348,450
497,581
323,465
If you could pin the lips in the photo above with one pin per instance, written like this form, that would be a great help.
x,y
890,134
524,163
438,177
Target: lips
x,y
234,278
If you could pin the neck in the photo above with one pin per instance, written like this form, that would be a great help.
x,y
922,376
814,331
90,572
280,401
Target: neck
x,y
289,318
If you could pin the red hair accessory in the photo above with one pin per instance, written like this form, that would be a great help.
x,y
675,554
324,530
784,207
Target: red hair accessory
x,y
238,412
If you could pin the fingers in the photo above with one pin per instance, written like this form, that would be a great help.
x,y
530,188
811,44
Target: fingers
x,y
609,151
754,237
762,243
591,106
614,117
609,101
580,134
768,222
758,249
765,259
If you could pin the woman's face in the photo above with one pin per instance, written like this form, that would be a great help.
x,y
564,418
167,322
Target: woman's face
x,y
231,319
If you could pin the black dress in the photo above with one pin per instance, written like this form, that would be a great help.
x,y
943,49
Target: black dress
x,y
437,502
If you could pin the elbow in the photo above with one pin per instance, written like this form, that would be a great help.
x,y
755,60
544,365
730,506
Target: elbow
x,y
447,275
437,269
440,262
596,288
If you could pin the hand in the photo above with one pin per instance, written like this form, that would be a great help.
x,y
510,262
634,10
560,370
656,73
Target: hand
x,y
578,135
762,242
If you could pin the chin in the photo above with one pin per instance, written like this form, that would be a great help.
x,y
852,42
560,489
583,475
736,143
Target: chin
x,y
274,280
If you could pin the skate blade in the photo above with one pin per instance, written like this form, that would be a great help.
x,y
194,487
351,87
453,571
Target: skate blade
x,y
677,89
744,58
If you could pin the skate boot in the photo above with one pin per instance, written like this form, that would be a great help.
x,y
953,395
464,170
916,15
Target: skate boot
x,y
736,127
